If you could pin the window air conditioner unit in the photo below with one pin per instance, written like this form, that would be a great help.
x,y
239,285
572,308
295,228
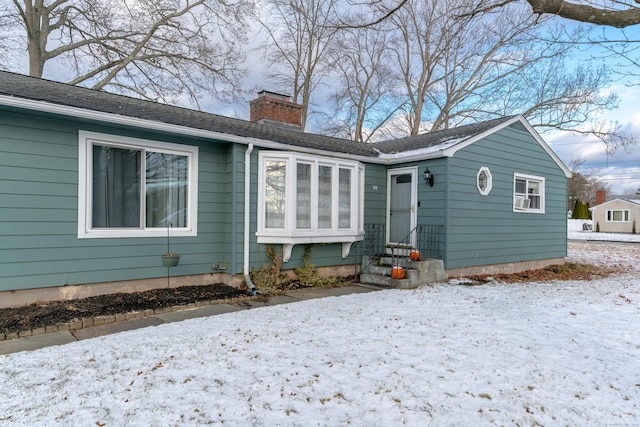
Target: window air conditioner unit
x,y
522,203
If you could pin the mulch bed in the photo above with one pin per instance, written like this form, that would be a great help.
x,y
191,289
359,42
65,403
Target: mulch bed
x,y
568,271
40,315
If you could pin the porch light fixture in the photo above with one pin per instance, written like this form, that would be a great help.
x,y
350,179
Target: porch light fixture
x,y
428,177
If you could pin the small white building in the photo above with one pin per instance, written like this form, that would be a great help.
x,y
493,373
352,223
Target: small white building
x,y
617,216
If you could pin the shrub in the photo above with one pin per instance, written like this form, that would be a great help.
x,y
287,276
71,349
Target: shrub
x,y
308,273
597,226
633,227
269,279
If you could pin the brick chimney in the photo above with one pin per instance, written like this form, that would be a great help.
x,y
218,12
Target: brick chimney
x,y
275,109
601,197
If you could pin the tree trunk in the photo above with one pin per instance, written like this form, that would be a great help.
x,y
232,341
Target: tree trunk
x,y
37,31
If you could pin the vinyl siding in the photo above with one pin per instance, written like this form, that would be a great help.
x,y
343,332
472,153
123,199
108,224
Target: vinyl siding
x,y
375,194
484,230
433,200
39,210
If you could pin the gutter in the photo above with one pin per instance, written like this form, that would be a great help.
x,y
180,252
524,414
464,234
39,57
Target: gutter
x,y
247,219
113,118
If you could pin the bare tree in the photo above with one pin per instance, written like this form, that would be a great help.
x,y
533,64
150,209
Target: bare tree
x,y
454,70
583,185
612,13
423,33
299,33
156,49
363,93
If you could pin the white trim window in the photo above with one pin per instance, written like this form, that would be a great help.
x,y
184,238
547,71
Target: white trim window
x,y
484,181
129,187
309,199
617,215
528,193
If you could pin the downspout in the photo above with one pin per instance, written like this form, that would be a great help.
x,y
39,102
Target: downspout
x,y
247,219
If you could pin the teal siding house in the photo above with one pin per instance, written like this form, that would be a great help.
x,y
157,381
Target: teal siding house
x,y
95,187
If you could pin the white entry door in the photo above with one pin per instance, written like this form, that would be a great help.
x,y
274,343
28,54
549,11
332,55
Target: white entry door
x,y
401,205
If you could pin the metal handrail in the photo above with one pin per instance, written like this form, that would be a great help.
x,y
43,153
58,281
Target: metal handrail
x,y
400,259
373,244
428,240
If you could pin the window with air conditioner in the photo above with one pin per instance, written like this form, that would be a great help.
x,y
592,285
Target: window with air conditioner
x,y
528,193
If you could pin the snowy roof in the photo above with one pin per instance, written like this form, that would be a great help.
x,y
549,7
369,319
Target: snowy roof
x,y
438,140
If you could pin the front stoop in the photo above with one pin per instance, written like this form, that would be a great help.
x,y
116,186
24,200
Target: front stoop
x,y
378,272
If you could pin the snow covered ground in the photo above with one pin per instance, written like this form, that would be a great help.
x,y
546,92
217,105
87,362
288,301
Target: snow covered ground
x,y
561,353
575,232
606,237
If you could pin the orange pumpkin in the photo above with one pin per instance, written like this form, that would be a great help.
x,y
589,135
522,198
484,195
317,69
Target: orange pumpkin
x,y
414,255
397,273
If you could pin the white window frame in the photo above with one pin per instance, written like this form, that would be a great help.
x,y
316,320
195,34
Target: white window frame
x,y
289,234
521,201
626,215
487,172
85,179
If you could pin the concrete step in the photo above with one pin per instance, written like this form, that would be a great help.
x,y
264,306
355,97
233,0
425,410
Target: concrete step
x,y
416,273
383,270
388,282
376,279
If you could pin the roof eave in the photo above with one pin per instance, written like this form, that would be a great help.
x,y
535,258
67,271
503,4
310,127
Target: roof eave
x,y
411,156
100,116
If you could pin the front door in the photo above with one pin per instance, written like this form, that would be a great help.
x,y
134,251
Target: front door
x,y
401,203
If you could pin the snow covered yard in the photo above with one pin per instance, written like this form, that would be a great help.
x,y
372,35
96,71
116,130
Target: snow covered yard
x,y
563,353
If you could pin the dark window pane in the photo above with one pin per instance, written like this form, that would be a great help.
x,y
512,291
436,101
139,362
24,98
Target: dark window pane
x,y
116,188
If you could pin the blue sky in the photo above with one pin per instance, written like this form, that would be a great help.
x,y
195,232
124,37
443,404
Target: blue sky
x,y
621,171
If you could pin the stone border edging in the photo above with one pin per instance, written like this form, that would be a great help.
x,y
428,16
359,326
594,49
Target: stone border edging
x,y
88,322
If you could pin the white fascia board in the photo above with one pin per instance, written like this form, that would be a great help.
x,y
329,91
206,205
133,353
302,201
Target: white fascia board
x,y
111,118
536,135
632,204
449,152
410,156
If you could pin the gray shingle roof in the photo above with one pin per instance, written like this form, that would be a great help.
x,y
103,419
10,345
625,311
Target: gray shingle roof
x,y
449,137
31,88
74,96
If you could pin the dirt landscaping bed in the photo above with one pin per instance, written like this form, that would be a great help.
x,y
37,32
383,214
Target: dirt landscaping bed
x,y
23,320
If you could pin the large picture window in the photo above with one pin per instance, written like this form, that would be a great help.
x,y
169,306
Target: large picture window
x,y
130,187
528,194
309,199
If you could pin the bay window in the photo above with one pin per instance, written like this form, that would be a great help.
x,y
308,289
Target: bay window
x,y
135,188
309,199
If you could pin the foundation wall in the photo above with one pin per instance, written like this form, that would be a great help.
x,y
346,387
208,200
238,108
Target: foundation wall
x,y
64,293
506,268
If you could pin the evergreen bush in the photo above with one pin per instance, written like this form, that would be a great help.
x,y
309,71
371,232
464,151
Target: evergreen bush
x,y
580,210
